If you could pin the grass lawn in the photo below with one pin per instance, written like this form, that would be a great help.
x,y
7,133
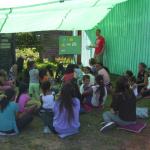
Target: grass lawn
x,y
89,138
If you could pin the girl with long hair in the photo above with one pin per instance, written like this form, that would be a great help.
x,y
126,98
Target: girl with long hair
x,y
66,112
123,106
99,92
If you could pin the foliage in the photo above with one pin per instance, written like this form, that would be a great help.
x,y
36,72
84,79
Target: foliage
x,y
31,53
64,60
44,64
27,40
27,53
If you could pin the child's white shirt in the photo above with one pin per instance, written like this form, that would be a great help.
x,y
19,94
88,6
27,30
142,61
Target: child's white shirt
x,y
48,101
82,89
96,95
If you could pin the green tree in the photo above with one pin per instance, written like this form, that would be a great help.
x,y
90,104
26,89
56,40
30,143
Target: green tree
x,y
29,40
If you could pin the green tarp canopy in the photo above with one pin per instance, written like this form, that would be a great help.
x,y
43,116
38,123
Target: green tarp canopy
x,y
40,15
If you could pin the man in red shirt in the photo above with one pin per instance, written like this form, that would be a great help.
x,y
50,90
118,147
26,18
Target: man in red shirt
x,y
99,46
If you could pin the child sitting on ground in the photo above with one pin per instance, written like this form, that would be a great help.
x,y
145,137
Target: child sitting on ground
x,y
11,122
66,112
88,71
47,105
123,106
86,97
23,98
98,91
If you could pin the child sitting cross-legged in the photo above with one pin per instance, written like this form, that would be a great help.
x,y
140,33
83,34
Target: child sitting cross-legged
x,y
86,96
47,105
88,71
11,122
98,91
66,112
123,106
23,98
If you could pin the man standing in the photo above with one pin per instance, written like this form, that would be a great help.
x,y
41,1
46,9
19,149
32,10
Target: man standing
x,y
99,47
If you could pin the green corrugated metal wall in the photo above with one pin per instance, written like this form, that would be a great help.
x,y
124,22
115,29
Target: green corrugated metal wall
x,y
127,32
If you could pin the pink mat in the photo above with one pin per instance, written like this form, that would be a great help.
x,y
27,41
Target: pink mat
x,y
135,128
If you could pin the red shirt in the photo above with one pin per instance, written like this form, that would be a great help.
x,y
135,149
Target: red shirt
x,y
100,41
68,77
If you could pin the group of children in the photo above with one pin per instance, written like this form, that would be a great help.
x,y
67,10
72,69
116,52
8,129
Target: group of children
x,y
81,90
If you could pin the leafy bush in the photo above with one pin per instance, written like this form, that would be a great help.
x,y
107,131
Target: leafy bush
x,y
44,64
27,53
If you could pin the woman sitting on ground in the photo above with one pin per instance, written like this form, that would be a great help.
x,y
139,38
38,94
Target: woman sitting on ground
x,y
66,112
123,106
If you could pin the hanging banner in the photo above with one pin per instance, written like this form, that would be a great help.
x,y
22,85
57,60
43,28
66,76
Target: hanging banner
x,y
69,45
